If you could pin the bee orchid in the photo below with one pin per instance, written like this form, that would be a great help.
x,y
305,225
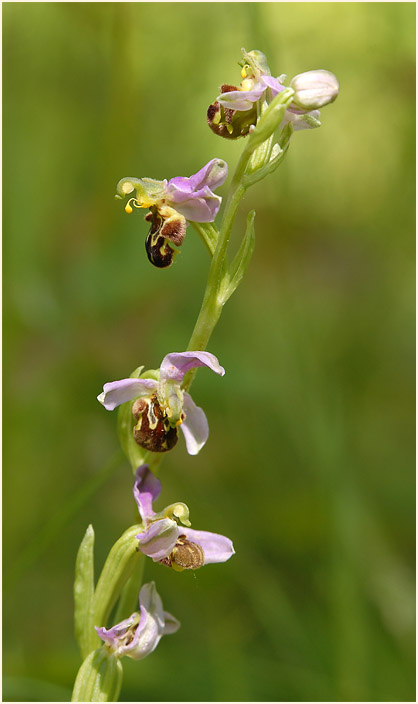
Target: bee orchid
x,y
165,540
171,204
161,406
138,635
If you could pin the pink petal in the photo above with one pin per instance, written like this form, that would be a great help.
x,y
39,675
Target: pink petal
x,y
117,392
216,547
195,427
176,364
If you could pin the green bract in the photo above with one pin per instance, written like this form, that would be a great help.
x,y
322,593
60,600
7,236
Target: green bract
x,y
99,678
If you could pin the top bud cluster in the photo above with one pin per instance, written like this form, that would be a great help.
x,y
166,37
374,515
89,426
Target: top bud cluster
x,y
235,113
236,109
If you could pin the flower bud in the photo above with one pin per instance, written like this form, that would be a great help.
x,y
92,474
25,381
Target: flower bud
x,y
314,89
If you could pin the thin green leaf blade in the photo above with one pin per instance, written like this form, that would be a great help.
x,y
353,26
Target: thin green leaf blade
x,y
99,678
84,590
242,258
119,565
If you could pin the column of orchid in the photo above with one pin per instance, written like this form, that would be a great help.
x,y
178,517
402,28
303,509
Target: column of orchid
x,y
155,404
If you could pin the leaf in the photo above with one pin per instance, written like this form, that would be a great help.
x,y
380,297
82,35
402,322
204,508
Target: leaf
x,y
119,565
128,601
99,678
270,119
241,260
84,591
278,153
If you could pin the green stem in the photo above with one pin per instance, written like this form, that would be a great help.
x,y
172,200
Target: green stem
x,y
100,676
212,302
258,148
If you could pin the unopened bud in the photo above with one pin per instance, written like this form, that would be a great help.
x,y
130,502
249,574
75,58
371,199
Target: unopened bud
x,y
314,89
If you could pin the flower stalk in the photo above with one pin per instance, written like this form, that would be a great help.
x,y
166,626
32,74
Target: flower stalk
x,y
155,404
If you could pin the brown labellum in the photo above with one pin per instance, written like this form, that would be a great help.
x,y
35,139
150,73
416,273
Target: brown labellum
x,y
158,249
167,226
218,118
152,430
229,123
186,555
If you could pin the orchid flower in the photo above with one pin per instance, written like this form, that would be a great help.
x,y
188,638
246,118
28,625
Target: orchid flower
x,y
163,539
138,635
171,204
313,89
161,406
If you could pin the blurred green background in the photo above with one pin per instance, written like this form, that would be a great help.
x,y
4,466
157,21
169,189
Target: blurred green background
x,y
310,463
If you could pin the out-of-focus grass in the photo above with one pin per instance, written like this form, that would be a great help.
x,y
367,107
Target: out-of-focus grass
x,y
310,463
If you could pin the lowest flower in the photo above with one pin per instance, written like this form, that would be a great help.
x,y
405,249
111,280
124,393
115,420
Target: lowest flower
x,y
138,635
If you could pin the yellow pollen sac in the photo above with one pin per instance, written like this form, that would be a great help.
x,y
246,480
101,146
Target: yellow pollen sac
x,y
135,203
244,72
